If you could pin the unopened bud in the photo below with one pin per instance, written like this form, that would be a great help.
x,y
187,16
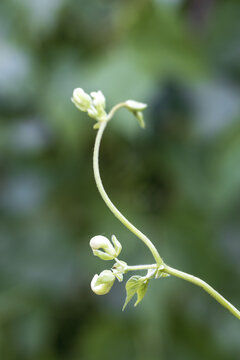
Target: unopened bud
x,y
99,104
98,99
81,99
135,105
102,242
101,284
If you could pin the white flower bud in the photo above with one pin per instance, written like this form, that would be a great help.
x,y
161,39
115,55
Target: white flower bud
x,y
135,105
99,104
101,284
102,242
98,99
94,105
92,112
81,99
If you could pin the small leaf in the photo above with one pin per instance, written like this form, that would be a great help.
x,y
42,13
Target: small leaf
x,y
135,285
141,292
132,286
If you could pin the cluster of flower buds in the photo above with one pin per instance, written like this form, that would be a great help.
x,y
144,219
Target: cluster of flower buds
x,y
101,284
94,105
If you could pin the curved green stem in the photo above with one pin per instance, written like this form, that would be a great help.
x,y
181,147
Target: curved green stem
x,y
105,197
114,109
209,289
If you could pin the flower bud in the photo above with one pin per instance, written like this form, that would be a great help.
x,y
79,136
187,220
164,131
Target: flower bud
x,y
92,112
136,108
102,242
101,284
135,105
81,99
98,99
99,104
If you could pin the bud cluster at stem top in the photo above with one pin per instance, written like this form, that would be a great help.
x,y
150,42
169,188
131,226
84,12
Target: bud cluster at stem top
x,y
94,105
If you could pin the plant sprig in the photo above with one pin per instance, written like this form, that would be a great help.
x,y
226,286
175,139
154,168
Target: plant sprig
x,y
94,104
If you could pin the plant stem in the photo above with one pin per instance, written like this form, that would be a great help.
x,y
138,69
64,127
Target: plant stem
x,y
209,289
107,200
114,109
141,267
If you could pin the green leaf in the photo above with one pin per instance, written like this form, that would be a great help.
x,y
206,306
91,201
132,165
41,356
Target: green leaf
x,y
132,286
141,292
135,285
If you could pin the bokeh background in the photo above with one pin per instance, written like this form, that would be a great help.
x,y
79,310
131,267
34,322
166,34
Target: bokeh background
x,y
179,180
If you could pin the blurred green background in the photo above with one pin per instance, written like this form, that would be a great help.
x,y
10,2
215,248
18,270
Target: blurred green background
x,y
179,180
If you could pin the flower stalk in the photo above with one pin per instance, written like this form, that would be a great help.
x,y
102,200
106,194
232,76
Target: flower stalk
x,y
109,203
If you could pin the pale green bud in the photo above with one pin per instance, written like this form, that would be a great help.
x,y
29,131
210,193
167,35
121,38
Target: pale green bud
x,y
136,108
101,284
102,242
98,99
81,99
92,112
135,105
99,104
94,105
